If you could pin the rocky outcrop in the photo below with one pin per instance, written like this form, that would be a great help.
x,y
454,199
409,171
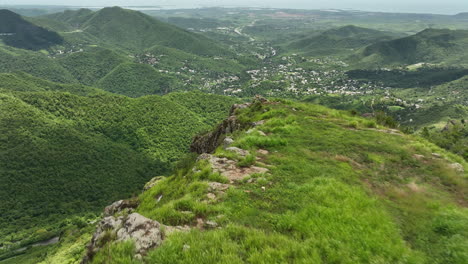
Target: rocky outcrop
x,y
229,169
209,142
152,183
457,167
144,232
120,206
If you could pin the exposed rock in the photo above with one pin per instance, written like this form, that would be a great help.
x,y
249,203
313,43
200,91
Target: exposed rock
x,y
210,224
262,133
146,234
152,183
259,98
418,156
227,142
173,229
238,151
217,187
228,168
457,167
263,152
258,123
211,196
436,155
119,206
238,106
209,142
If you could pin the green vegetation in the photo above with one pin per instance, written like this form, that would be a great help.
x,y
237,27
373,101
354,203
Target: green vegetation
x,y
70,149
339,40
210,107
113,99
443,46
19,33
137,80
134,30
92,65
332,195
34,63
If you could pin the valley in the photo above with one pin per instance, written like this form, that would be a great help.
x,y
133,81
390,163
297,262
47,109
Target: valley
x,y
362,109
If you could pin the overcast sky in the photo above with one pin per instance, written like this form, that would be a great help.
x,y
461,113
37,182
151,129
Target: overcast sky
x,y
419,6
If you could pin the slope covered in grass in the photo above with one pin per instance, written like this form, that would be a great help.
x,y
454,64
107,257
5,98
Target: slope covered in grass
x,y
68,150
339,189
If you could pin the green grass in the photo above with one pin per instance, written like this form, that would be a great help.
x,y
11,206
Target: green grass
x,y
332,195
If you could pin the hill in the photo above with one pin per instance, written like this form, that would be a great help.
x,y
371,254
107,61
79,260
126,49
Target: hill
x,y
137,31
306,185
339,40
68,150
34,63
19,33
72,18
23,82
135,80
441,46
91,65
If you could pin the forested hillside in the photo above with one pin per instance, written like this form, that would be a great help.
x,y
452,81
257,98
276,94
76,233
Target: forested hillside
x,y
428,46
19,33
70,149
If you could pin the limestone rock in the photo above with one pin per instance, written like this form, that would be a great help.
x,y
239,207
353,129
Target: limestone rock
x,y
227,142
258,123
209,142
152,183
146,234
238,151
457,167
119,206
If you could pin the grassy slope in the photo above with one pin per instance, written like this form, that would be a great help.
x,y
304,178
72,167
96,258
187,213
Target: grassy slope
x,y
338,191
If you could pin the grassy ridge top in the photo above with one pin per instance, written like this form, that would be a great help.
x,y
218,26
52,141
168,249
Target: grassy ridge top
x,y
339,189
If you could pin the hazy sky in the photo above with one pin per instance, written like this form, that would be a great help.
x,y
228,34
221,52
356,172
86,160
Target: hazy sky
x,y
420,6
